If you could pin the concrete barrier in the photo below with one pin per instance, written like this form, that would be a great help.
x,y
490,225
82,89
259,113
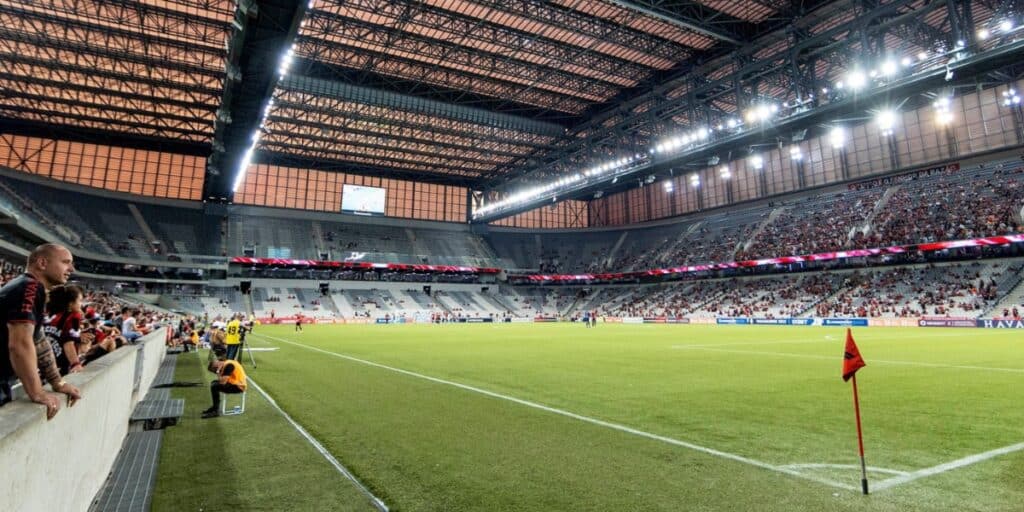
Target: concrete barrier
x,y
61,464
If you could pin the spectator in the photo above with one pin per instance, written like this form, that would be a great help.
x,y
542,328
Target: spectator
x,y
95,342
128,329
64,329
26,353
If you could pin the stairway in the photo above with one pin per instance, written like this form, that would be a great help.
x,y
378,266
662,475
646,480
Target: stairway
x,y
150,236
879,206
611,254
744,246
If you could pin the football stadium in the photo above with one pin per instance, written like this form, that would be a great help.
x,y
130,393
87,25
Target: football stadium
x,y
511,255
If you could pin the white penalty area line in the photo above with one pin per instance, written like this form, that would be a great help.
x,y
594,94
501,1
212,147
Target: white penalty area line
x,y
377,502
830,358
587,419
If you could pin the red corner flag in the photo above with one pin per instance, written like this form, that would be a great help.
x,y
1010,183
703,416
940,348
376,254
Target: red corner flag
x,y
851,357
851,363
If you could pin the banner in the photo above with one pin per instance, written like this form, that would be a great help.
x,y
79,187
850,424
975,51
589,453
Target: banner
x,y
893,322
613,319
946,322
732,321
521,320
479,320
990,323
845,322
632,320
545,319
360,265
654,320
677,320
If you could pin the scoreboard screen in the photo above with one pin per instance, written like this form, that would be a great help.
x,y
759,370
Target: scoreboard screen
x,y
362,200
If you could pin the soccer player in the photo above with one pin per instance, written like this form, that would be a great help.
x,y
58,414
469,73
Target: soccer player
x,y
298,323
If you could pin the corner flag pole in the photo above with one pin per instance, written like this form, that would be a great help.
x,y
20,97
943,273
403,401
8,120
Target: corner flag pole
x,y
860,439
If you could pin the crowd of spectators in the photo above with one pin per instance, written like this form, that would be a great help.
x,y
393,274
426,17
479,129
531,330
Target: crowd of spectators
x,y
817,225
944,203
951,205
959,290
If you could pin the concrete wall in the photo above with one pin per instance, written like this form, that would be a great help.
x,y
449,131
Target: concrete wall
x,y
61,464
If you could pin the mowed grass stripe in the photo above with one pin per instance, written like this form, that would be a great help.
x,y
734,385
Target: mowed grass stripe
x,y
723,399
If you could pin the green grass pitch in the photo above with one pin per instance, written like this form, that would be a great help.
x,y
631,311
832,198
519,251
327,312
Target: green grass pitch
x,y
645,417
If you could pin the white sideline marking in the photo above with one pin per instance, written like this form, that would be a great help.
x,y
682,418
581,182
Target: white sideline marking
x,y
377,502
845,466
948,466
586,419
883,361
262,349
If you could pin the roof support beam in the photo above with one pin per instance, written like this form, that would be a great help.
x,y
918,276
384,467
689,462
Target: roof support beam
x,y
654,9
367,96
268,29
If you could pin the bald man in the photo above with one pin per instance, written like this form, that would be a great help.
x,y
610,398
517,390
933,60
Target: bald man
x,y
24,351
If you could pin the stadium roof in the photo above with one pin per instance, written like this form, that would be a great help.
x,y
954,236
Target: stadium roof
x,y
478,93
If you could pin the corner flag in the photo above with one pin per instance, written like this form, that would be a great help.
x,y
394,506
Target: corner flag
x,y
851,363
851,357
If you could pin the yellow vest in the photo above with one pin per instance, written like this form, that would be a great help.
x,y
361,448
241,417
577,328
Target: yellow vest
x,y
236,377
233,331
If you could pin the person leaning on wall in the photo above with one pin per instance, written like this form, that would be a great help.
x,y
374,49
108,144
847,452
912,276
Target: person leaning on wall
x,y
24,350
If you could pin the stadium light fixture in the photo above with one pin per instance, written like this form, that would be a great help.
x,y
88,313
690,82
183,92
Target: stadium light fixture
x,y
760,113
1006,25
668,186
244,164
886,121
907,62
694,180
943,111
796,154
1010,98
889,68
983,34
724,172
286,61
922,56
857,80
757,161
837,137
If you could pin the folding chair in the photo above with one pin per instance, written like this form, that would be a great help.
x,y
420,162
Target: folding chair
x,y
226,410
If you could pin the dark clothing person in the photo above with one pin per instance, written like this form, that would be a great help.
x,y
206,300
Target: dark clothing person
x,y
23,301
